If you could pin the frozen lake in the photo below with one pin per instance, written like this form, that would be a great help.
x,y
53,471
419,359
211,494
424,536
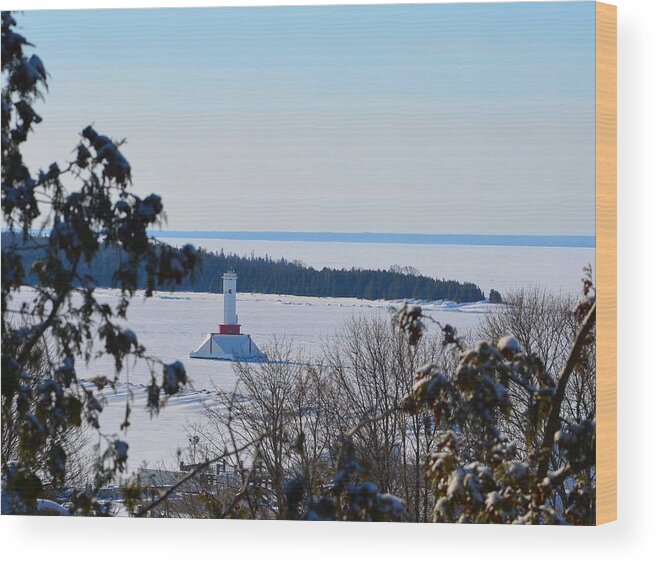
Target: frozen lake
x,y
170,325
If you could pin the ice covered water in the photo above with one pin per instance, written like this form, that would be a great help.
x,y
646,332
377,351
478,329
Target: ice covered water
x,y
170,325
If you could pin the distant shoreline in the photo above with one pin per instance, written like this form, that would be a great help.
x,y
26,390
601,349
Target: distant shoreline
x,y
567,241
582,241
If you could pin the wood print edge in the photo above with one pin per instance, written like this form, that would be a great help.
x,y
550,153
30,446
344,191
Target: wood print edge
x,y
606,253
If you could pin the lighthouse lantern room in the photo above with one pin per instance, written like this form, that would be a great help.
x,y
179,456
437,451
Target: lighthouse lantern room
x,y
229,343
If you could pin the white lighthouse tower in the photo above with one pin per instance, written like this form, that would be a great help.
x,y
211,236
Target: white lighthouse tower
x,y
229,325
229,343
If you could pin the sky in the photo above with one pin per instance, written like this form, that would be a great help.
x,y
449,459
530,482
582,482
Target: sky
x,y
451,118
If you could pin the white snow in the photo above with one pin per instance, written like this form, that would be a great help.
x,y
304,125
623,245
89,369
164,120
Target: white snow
x,y
517,470
509,344
493,498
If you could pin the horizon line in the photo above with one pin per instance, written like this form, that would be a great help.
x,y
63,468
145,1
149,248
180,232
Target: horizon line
x,y
586,241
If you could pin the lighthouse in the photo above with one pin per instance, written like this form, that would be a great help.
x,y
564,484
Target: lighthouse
x,y
228,343
230,325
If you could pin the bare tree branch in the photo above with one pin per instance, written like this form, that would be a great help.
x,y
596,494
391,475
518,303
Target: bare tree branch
x,y
553,421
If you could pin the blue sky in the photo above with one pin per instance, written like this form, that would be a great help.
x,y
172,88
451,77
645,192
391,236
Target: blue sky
x,y
461,118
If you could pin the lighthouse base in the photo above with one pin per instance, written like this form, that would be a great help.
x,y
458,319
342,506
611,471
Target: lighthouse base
x,y
228,347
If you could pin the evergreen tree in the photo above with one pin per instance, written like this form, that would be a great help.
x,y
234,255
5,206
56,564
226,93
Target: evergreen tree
x,y
94,234
495,297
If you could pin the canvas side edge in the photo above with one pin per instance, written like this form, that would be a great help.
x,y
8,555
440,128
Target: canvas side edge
x,y
606,267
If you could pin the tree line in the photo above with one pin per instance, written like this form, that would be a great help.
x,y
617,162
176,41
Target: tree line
x,y
280,276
